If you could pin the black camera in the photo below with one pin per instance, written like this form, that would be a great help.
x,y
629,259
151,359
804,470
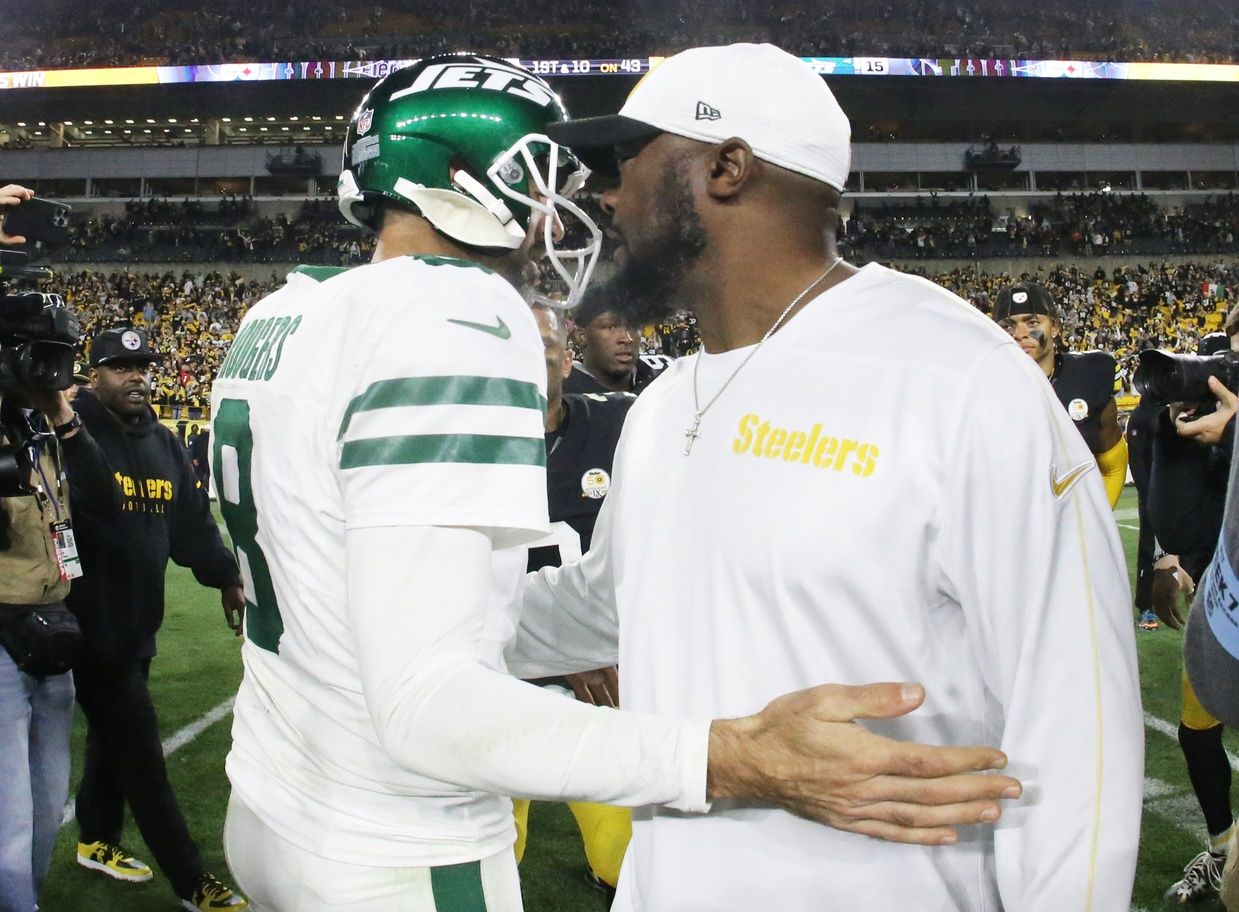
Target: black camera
x,y
37,331
1164,376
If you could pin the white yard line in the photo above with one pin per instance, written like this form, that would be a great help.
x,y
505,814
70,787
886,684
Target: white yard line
x,y
1172,731
176,741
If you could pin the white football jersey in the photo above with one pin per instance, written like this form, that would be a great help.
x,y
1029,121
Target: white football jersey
x,y
407,392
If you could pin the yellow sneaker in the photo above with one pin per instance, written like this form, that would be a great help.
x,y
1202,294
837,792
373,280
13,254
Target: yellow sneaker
x,y
210,895
113,861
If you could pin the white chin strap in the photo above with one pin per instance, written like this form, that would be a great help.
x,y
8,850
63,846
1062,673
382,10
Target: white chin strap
x,y
575,266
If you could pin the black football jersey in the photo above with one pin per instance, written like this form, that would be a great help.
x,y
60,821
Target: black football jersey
x,y
1084,383
578,466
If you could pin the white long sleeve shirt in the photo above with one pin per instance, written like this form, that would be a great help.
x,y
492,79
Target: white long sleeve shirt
x,y
888,491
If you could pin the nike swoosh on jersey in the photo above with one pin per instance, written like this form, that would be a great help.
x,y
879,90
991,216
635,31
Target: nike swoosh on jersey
x,y
1060,486
500,329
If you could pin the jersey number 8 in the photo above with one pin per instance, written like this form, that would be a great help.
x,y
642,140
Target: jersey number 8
x,y
233,446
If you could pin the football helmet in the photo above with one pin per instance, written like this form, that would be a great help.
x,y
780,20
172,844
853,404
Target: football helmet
x,y
460,139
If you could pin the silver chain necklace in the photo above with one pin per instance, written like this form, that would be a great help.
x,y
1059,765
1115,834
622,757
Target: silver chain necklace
x,y
692,433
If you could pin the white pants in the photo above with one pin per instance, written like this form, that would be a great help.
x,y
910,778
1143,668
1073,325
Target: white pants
x,y
278,876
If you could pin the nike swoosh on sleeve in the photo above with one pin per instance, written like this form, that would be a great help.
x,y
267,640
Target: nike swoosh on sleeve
x,y
500,329
1060,486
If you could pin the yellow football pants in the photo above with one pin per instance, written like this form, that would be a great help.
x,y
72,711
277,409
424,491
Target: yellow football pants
x,y
605,831
1191,713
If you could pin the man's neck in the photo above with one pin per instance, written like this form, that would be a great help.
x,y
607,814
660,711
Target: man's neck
x,y
737,303
624,383
405,234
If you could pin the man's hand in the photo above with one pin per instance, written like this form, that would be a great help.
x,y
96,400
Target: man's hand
x,y
805,753
233,600
54,404
599,687
1209,429
1169,582
13,195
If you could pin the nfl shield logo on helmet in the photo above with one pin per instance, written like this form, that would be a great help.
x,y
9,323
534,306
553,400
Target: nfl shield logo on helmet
x,y
364,121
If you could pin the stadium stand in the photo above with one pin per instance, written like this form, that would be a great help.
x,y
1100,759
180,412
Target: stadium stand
x,y
110,33
192,314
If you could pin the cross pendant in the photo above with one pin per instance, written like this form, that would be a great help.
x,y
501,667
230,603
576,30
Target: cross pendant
x,y
691,434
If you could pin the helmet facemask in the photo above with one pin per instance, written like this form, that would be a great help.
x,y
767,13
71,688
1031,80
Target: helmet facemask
x,y
518,168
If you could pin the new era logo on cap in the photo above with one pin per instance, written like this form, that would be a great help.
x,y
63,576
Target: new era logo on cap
x,y
706,112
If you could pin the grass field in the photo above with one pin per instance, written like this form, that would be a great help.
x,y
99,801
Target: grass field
x,y
198,669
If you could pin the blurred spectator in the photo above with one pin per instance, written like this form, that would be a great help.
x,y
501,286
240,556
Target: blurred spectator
x,y
60,33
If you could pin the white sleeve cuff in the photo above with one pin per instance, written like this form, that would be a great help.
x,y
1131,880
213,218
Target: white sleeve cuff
x,y
694,757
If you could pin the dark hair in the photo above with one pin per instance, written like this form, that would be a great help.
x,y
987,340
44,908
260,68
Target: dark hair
x,y
1232,321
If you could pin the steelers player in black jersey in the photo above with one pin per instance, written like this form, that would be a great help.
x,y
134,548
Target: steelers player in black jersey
x,y
610,350
1083,381
582,431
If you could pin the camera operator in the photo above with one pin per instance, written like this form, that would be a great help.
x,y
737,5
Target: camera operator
x,y
1191,455
42,442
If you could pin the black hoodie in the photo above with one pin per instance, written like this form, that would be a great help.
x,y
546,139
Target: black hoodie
x,y
119,601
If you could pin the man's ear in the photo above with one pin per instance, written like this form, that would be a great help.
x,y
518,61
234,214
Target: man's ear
x,y
732,166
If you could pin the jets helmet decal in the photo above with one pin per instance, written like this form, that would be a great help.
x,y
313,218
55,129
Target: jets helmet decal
x,y
461,139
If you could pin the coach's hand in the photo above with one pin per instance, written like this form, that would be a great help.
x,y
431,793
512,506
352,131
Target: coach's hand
x,y
805,753
233,600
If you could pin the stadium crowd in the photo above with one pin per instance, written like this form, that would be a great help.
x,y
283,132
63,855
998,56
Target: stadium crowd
x,y
1069,225
1090,224
111,33
191,316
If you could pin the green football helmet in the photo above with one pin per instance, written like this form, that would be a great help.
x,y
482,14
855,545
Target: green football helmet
x,y
460,139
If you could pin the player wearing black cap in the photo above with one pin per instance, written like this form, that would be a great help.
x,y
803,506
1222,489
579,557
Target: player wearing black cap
x,y
1083,381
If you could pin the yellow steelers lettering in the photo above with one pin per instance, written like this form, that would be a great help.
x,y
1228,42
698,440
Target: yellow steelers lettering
x,y
846,448
810,444
762,430
824,455
795,443
759,437
742,443
778,437
866,460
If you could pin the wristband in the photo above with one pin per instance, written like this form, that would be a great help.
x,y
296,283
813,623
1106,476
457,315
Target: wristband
x,y
69,426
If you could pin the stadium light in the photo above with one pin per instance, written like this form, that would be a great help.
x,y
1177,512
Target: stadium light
x,y
42,124
89,123
128,120
226,120
316,117
248,119
68,123
269,117
21,123
108,121
293,117
171,120
150,120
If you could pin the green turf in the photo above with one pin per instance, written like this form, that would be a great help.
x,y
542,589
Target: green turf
x,y
198,668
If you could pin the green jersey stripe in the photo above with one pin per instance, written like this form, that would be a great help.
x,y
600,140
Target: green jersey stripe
x,y
458,888
426,448
449,390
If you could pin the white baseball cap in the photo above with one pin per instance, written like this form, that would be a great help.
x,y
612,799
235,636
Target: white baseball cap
x,y
756,92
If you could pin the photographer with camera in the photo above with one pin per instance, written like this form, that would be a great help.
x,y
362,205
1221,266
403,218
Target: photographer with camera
x,y
42,443
1191,456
